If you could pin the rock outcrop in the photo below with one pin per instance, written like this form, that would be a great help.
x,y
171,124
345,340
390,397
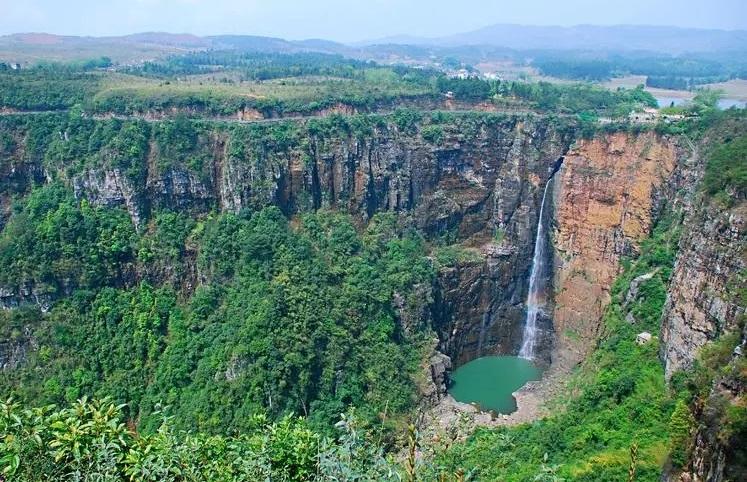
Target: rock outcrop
x,y
605,197
110,187
710,267
703,305
13,351
437,384
717,452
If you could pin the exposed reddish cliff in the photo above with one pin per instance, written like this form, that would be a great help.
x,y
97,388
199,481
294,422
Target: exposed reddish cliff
x,y
605,195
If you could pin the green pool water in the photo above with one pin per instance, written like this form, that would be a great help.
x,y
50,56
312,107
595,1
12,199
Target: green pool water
x,y
489,381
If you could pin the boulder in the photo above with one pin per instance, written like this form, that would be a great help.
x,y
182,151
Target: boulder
x,y
643,338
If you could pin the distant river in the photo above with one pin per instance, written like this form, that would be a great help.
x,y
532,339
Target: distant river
x,y
490,381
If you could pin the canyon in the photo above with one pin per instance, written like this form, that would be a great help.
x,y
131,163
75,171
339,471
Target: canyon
x,y
480,187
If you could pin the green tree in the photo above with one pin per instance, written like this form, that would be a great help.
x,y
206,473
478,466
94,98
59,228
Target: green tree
x,y
680,430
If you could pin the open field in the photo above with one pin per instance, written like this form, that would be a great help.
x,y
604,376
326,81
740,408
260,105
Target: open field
x,y
33,48
736,88
733,89
375,85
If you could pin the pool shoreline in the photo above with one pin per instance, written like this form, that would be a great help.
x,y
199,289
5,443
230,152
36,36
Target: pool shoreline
x,y
489,383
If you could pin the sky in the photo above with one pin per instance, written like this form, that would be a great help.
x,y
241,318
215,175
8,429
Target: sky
x,y
351,20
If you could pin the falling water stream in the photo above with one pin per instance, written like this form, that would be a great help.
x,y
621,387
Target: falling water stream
x,y
534,296
536,293
490,381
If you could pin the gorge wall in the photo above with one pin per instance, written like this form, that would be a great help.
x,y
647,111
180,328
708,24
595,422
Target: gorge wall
x,y
705,305
702,303
477,181
606,198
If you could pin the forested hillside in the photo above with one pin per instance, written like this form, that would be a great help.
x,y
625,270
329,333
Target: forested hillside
x,y
285,320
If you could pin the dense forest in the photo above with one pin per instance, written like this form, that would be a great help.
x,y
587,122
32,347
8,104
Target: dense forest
x,y
284,321
684,72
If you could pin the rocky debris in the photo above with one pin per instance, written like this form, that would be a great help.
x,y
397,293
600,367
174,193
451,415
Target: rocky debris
x,y
450,421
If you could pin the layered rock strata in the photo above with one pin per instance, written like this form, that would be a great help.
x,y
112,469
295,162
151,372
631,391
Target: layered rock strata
x,y
605,200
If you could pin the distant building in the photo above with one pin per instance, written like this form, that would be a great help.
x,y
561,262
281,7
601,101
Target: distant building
x,y
651,115
15,66
461,74
673,117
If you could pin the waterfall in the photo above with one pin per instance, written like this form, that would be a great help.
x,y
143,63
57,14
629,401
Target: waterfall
x,y
535,296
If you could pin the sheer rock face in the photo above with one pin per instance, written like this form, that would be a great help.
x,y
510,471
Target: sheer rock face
x,y
700,306
716,456
471,180
481,179
13,351
475,182
605,196
111,188
17,175
492,202
716,450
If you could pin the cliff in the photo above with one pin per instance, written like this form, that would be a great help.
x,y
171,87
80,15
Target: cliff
x,y
701,305
476,180
608,195
703,325
472,179
605,201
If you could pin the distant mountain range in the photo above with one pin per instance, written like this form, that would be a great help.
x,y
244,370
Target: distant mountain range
x,y
30,47
671,40
492,41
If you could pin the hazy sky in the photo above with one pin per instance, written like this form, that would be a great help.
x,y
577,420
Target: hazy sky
x,y
349,20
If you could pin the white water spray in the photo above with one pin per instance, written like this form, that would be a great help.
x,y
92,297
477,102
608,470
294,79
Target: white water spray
x,y
535,300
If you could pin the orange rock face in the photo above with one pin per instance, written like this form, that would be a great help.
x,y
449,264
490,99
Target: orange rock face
x,y
604,196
